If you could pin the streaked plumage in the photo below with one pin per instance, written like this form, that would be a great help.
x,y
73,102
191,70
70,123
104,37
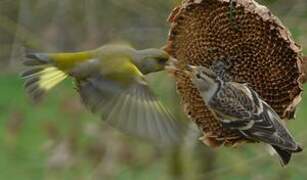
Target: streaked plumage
x,y
240,108
111,83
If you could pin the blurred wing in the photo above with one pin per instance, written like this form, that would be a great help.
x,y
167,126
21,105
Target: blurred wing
x,y
134,109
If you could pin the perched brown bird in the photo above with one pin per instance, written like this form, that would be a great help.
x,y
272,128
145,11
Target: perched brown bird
x,y
239,107
262,54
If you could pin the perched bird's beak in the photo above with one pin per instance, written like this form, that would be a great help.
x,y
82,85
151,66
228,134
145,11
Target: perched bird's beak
x,y
192,68
195,71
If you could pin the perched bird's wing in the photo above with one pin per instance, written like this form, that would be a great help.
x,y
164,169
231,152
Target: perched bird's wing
x,y
269,128
131,107
265,124
233,106
240,107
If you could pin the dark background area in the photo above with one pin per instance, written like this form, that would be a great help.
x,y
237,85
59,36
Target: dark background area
x,y
60,139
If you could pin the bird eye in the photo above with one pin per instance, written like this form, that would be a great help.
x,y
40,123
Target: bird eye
x,y
161,61
198,76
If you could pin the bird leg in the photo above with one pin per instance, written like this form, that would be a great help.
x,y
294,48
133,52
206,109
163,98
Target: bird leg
x,y
220,68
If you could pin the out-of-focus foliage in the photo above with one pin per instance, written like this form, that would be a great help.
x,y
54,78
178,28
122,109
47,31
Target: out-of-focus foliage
x,y
60,139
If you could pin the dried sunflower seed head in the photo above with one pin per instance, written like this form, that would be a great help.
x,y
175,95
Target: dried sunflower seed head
x,y
262,54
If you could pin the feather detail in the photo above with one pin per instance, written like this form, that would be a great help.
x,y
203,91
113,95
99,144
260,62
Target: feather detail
x,y
133,109
41,75
240,108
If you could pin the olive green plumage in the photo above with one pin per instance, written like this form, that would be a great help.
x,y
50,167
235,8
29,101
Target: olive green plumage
x,y
111,83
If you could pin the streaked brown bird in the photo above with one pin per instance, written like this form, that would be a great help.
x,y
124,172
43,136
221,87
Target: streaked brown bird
x,y
239,107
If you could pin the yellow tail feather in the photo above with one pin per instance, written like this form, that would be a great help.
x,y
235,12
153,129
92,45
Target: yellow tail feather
x,y
50,77
40,81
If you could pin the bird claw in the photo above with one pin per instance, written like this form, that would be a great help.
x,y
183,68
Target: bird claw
x,y
221,68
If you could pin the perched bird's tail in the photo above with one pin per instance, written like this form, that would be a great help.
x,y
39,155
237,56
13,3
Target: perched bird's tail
x,y
41,75
284,155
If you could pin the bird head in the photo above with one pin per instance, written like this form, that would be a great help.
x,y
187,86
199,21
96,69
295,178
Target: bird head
x,y
152,60
203,78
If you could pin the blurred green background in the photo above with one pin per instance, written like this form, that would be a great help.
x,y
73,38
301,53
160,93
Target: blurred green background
x,y
60,139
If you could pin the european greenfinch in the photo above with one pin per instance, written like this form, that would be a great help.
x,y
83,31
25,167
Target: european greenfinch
x,y
111,83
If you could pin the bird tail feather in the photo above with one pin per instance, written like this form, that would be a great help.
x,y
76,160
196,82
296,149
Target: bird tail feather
x,y
284,156
41,75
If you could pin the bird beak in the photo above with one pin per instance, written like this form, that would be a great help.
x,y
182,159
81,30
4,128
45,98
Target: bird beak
x,y
192,68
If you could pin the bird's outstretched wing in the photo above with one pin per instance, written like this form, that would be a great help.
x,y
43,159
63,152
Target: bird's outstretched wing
x,y
133,109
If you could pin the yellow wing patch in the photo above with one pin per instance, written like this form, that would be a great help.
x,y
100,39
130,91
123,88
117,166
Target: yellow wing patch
x,y
121,70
